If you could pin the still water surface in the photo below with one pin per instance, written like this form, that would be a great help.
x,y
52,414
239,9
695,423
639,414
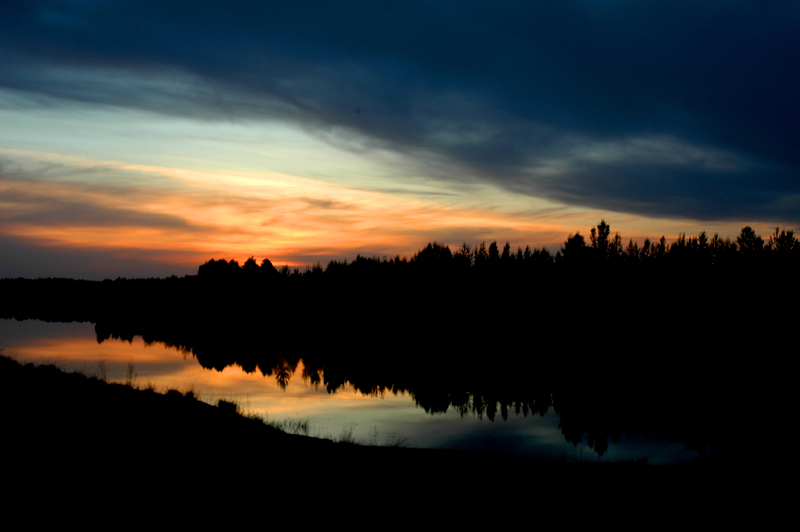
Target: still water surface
x,y
372,419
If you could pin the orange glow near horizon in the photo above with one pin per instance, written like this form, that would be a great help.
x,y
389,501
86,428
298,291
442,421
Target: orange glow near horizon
x,y
185,217
273,216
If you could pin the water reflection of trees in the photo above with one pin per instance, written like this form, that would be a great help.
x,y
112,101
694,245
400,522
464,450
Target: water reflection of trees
x,y
661,338
598,397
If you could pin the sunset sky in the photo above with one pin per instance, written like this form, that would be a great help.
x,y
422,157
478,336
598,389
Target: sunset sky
x,y
144,138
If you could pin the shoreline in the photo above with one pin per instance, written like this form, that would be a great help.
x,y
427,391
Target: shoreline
x,y
84,419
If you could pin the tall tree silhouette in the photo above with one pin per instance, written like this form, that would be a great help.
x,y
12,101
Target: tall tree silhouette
x,y
750,244
574,250
599,238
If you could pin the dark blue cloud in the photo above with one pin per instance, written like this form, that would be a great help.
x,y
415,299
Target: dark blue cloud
x,y
502,90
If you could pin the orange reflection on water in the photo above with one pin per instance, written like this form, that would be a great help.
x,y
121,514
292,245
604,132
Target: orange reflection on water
x,y
165,368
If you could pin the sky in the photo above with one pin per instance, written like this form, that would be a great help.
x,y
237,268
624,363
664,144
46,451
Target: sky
x,y
144,138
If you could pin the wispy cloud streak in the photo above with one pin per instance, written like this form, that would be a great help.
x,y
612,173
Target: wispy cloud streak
x,y
68,206
673,109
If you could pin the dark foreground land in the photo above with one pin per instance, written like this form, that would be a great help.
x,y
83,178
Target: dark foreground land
x,y
60,429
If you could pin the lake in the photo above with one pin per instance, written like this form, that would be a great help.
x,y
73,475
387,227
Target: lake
x,y
382,416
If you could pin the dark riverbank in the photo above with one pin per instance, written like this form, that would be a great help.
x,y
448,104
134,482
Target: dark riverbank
x,y
63,425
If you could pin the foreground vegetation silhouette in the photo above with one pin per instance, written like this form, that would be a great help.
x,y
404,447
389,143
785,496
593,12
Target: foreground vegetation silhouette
x,y
90,441
659,338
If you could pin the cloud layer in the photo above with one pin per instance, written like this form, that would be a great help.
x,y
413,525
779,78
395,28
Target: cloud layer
x,y
678,109
68,216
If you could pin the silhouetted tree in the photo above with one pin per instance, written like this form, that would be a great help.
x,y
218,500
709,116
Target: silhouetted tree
x,y
506,256
783,242
219,269
267,268
749,243
494,253
434,254
574,250
632,252
462,258
250,269
480,256
723,251
599,238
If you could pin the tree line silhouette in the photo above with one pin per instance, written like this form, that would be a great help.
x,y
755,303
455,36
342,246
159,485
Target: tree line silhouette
x,y
465,301
781,249
650,332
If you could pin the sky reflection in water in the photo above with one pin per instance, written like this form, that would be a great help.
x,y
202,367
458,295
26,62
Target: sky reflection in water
x,y
377,419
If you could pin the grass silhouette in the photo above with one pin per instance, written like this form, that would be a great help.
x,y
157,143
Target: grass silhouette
x,y
55,423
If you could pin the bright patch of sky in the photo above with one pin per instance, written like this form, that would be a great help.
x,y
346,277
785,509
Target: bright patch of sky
x,y
126,183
